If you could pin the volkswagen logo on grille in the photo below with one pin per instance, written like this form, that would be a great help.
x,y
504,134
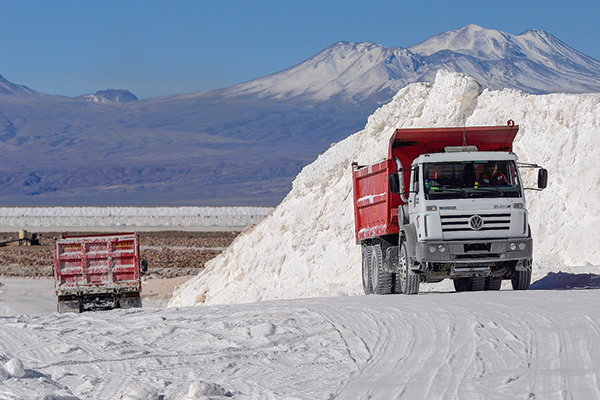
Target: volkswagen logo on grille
x,y
475,222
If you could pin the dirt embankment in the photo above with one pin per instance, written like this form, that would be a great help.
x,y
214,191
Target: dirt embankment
x,y
170,254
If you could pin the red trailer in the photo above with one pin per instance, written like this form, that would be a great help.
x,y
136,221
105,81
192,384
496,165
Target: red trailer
x,y
97,271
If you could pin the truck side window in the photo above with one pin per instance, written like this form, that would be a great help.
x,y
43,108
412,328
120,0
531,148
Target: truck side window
x,y
416,180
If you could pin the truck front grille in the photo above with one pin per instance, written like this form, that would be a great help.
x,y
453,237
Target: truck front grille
x,y
470,222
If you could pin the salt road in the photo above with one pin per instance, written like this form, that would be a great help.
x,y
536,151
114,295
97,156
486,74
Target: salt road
x,y
542,344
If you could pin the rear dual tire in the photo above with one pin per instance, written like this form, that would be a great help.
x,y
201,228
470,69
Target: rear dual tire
x,y
376,280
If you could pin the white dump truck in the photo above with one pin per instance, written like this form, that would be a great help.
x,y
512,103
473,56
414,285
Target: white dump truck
x,y
446,203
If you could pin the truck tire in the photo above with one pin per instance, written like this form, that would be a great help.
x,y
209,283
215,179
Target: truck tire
x,y
477,283
380,278
366,270
493,283
520,280
408,279
462,284
396,286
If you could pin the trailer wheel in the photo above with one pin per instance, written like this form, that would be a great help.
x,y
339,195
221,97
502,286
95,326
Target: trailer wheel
x,y
520,280
493,283
380,279
366,270
409,280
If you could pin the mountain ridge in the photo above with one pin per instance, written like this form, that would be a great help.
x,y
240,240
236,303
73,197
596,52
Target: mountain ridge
x,y
244,144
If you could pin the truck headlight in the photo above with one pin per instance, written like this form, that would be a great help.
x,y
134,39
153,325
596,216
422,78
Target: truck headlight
x,y
522,246
513,246
432,249
441,248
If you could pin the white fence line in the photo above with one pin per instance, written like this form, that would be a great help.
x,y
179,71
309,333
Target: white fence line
x,y
123,218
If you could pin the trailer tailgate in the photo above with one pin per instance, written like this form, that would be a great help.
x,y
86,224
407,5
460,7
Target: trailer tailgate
x,y
97,263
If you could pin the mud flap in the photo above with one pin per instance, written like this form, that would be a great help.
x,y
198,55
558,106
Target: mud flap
x,y
71,304
130,300
410,236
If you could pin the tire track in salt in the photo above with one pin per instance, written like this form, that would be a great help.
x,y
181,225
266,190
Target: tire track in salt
x,y
502,345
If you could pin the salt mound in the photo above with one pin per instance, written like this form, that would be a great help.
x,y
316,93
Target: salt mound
x,y
306,247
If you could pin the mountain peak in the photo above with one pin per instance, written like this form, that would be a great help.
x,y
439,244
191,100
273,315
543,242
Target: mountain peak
x,y
10,89
349,70
109,96
470,39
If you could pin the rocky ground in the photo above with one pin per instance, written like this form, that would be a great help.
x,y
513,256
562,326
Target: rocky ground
x,y
170,254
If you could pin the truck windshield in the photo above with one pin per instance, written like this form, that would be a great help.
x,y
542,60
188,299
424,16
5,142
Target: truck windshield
x,y
461,179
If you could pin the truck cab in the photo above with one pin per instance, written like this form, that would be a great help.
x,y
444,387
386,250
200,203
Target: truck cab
x,y
470,217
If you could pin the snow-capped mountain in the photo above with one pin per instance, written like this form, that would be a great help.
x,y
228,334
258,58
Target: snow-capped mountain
x,y
344,70
109,96
244,144
534,61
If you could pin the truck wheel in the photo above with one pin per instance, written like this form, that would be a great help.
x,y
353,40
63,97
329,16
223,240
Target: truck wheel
x,y
477,283
493,283
366,270
409,281
462,284
520,280
380,279
396,286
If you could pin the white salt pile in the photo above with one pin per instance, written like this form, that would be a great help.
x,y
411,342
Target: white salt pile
x,y
306,247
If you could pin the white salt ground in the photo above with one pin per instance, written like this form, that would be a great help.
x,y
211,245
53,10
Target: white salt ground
x,y
505,344
306,247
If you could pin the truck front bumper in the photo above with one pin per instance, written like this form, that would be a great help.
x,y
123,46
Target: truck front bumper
x,y
474,251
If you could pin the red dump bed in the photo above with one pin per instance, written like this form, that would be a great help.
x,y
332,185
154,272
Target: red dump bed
x,y
375,207
98,263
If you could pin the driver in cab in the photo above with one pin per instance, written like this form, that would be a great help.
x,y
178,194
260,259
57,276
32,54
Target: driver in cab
x,y
492,176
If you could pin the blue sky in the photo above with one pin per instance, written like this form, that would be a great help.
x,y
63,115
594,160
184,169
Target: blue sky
x,y
156,48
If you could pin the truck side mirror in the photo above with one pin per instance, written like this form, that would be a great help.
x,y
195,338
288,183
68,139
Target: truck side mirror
x,y
394,183
542,178
144,265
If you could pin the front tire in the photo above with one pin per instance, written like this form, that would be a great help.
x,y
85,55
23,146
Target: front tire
x,y
462,284
520,280
409,280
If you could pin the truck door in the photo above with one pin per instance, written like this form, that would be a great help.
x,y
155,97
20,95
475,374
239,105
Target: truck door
x,y
414,198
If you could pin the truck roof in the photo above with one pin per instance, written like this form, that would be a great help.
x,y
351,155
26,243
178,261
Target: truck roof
x,y
419,141
466,156
406,144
